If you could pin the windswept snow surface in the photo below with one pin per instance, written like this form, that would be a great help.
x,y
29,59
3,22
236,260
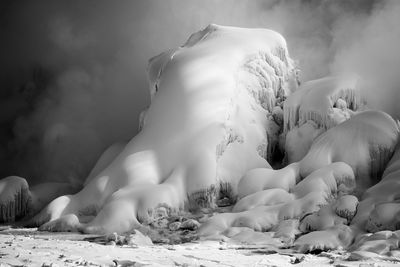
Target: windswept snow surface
x,y
209,122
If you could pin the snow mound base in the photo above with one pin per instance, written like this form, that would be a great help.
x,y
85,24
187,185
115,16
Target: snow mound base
x,y
210,121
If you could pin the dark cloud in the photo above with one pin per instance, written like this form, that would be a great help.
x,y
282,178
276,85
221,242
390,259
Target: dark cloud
x,y
72,73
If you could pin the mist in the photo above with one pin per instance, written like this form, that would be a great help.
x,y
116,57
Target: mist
x,y
73,73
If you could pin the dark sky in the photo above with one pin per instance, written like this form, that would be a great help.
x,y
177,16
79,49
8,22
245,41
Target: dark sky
x,y
73,73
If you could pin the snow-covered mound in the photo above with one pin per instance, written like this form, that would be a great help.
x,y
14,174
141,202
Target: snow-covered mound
x,y
211,119
315,107
366,142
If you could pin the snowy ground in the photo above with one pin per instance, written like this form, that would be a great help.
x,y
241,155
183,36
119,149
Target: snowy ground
x,y
28,247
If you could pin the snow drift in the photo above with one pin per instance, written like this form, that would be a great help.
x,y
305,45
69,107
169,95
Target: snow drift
x,y
209,122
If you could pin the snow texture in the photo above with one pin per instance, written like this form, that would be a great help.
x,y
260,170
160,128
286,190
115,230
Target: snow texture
x,y
208,124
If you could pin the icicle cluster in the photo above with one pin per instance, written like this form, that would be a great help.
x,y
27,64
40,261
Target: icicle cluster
x,y
316,100
324,103
14,198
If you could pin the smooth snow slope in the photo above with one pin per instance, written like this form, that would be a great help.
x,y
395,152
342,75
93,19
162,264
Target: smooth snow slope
x,y
206,126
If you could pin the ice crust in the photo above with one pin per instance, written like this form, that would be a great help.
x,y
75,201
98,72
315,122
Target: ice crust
x,y
209,120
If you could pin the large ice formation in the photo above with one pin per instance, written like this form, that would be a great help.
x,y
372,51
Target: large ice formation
x,y
222,106
315,107
212,117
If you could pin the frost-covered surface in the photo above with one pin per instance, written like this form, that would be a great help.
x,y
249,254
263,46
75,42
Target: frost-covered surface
x,y
213,107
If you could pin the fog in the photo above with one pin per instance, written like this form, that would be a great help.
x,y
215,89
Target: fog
x,y
73,73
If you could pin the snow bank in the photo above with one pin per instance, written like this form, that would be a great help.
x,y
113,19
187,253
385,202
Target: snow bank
x,y
211,119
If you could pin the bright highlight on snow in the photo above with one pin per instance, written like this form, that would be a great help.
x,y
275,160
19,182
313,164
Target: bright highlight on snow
x,y
302,166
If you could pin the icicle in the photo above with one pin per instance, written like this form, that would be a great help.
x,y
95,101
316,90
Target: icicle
x,y
14,198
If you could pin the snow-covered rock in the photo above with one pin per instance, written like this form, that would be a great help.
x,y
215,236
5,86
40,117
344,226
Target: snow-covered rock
x,y
207,125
